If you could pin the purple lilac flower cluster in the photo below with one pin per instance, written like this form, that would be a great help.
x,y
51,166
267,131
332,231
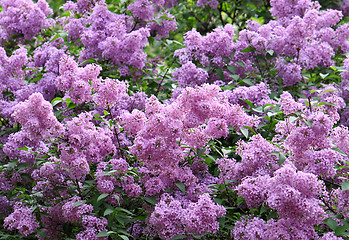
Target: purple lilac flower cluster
x,y
109,158
24,18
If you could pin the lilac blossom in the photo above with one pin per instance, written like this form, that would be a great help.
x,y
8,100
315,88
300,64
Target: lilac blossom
x,y
22,219
24,17
211,3
142,9
37,118
74,214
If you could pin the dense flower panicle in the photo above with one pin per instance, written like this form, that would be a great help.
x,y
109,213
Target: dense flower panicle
x,y
107,183
306,40
94,143
109,35
340,137
77,82
189,75
166,218
154,186
49,55
254,190
11,73
215,45
76,163
73,214
84,144
185,118
289,229
216,128
24,17
20,140
201,217
249,229
211,3
321,163
166,25
290,72
171,218
92,226
49,176
53,222
258,95
307,138
256,158
5,205
81,6
126,49
22,219
294,195
142,9
342,200
330,236
345,79
134,121
109,91
257,229
75,28
198,104
37,118
289,8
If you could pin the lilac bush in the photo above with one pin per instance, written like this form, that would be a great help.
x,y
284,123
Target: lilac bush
x,y
120,121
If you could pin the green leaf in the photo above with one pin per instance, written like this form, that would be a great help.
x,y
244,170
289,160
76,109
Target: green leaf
x,y
235,76
327,103
181,186
25,148
179,237
251,129
258,109
244,131
151,200
77,204
102,234
124,237
124,210
220,74
292,119
338,150
271,52
106,113
282,158
108,211
341,231
249,103
345,186
102,196
241,64
248,49
309,123
200,152
248,81
268,105
120,219
232,69
329,90
323,76
68,101
331,223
